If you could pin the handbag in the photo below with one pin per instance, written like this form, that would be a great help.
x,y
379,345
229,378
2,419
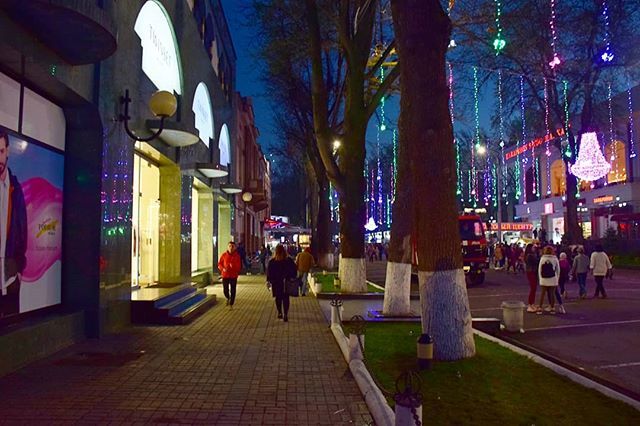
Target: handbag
x,y
292,286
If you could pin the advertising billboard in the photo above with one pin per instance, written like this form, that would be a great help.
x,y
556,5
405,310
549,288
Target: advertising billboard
x,y
31,194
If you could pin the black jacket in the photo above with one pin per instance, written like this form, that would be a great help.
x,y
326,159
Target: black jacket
x,y
277,272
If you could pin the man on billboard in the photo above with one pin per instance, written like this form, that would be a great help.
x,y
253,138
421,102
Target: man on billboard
x,y
13,234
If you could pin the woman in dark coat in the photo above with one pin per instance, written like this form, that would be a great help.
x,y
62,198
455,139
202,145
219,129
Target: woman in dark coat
x,y
280,268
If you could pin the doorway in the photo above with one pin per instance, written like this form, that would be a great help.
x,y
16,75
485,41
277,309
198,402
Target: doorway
x,y
145,220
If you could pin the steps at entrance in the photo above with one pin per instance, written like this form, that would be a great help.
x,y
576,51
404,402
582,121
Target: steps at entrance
x,y
173,305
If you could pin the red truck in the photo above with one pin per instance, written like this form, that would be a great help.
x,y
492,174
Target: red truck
x,y
475,252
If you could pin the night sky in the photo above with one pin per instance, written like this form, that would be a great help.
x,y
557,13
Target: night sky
x,y
249,84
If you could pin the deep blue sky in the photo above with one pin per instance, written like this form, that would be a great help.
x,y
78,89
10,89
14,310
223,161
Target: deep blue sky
x,y
248,71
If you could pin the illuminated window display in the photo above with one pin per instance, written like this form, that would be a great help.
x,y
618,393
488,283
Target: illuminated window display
x,y
201,227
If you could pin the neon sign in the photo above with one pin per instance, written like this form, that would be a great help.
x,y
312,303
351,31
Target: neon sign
x,y
532,144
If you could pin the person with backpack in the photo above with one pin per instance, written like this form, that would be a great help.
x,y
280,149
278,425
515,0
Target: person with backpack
x,y
548,274
600,265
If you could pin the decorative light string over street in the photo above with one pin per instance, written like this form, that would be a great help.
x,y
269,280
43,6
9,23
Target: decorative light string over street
x,y
499,42
607,56
555,61
632,148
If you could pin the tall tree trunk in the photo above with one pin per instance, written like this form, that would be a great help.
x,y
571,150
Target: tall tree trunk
x,y
397,287
352,270
422,33
573,231
324,249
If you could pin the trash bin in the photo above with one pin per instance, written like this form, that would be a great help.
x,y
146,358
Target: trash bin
x,y
513,315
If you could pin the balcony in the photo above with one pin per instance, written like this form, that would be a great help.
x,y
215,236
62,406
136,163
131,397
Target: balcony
x,y
78,31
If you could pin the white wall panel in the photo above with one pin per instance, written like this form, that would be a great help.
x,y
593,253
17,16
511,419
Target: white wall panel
x,y
9,102
43,120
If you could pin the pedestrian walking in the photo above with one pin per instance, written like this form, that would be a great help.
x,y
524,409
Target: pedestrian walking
x,y
499,255
265,255
565,270
531,268
560,292
304,262
230,266
548,274
600,266
280,269
580,269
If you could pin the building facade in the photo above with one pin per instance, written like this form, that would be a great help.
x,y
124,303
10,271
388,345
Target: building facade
x,y
107,215
612,201
252,172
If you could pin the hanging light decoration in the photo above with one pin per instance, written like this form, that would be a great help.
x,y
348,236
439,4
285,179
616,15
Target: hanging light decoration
x,y
455,142
565,88
383,125
591,164
476,143
606,56
632,148
612,146
555,61
501,132
524,142
547,152
499,42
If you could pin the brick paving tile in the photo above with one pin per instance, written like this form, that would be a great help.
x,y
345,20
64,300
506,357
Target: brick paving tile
x,y
239,366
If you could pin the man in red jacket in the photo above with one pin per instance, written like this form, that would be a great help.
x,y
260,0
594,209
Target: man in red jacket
x,y
229,266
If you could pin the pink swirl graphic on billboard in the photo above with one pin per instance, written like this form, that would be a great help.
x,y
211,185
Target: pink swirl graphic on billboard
x,y
44,222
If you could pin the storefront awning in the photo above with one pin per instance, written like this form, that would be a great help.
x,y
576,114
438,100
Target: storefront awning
x,y
626,217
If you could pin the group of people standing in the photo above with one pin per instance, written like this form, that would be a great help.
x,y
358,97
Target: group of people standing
x,y
551,273
279,269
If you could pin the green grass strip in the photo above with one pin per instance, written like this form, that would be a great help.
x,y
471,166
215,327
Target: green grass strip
x,y
497,386
328,287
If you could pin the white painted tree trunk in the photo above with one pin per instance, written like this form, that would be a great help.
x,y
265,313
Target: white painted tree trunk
x,y
326,261
397,290
353,275
446,315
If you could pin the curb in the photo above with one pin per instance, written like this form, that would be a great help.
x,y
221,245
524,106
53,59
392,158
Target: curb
x,y
563,371
380,410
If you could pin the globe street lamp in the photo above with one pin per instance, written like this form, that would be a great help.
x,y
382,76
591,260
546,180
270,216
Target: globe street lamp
x,y
162,104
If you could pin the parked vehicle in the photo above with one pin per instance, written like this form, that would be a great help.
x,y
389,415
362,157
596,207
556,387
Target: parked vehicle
x,y
475,252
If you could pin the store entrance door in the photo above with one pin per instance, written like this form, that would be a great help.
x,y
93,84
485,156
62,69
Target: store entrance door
x,y
145,218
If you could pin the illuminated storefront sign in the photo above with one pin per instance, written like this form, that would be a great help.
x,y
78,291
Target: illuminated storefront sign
x,y
548,208
533,144
160,59
512,226
203,113
603,199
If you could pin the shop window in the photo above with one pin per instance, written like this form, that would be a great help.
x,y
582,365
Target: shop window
x,y
615,153
558,178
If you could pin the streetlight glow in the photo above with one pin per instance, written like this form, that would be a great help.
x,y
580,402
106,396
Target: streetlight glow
x,y
336,144
482,150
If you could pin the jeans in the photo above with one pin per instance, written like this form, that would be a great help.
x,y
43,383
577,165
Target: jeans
x,y
229,288
599,286
304,279
282,300
532,277
582,283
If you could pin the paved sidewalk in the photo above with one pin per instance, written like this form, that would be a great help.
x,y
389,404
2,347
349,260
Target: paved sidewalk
x,y
229,367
